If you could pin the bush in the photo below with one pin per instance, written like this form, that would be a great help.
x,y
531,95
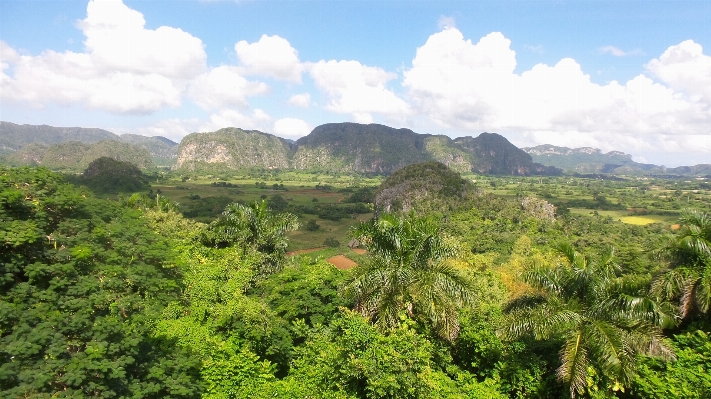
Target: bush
x,y
311,225
331,242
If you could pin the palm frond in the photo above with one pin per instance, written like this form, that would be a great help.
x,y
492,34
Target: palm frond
x,y
574,363
607,343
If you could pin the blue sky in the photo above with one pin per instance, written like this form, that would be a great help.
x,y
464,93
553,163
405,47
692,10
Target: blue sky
x,y
633,76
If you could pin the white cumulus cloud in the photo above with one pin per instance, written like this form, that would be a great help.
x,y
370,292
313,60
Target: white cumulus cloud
x,y
291,128
357,89
685,68
302,100
124,68
472,87
258,120
224,87
270,56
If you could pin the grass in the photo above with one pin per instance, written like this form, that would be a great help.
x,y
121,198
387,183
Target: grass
x,y
625,217
304,239
297,193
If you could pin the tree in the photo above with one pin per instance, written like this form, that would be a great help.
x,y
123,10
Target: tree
x,y
602,320
407,271
254,225
107,175
81,282
689,280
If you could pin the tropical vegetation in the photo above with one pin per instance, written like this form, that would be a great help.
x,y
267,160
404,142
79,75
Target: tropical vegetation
x,y
493,289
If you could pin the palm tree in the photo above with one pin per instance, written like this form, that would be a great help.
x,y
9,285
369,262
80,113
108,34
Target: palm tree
x,y
407,272
254,226
603,320
689,281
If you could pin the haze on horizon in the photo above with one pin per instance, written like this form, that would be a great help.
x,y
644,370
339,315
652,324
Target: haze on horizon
x,y
631,76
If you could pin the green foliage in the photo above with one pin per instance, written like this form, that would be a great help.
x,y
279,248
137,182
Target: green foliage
x,y
82,280
689,377
689,282
407,271
205,207
603,320
425,186
363,194
331,242
354,358
256,227
311,225
107,175
304,291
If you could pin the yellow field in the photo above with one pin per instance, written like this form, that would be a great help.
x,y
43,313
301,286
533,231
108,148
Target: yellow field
x,y
624,218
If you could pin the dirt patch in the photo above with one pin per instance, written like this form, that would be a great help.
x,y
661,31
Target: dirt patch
x,y
304,251
359,251
341,262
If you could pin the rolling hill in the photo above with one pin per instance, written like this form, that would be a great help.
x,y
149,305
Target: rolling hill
x,y
27,143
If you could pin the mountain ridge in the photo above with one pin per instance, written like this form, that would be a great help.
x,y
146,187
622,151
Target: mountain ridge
x,y
332,147
14,137
351,147
593,160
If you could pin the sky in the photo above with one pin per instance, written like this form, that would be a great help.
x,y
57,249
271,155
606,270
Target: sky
x,y
625,75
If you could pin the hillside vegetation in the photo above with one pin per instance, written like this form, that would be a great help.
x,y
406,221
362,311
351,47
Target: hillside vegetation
x,y
25,144
592,160
353,148
76,156
487,289
428,183
232,148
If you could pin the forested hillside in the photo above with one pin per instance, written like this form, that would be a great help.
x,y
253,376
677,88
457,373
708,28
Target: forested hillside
x,y
458,292
27,144
353,148
592,160
76,156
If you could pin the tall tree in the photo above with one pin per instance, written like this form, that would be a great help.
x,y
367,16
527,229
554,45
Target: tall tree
x,y
689,280
407,271
81,283
254,225
602,320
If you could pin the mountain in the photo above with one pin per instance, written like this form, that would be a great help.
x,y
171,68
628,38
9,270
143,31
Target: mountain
x,y
14,138
593,160
431,180
76,156
352,147
163,151
233,148
496,155
580,160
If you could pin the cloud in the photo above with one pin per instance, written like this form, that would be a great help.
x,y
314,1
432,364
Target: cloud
x,y
685,68
617,52
472,87
270,56
302,100
174,128
224,87
124,68
258,120
538,49
291,128
456,82
446,22
358,90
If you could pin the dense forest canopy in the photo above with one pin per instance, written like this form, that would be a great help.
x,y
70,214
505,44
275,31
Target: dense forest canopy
x,y
480,287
